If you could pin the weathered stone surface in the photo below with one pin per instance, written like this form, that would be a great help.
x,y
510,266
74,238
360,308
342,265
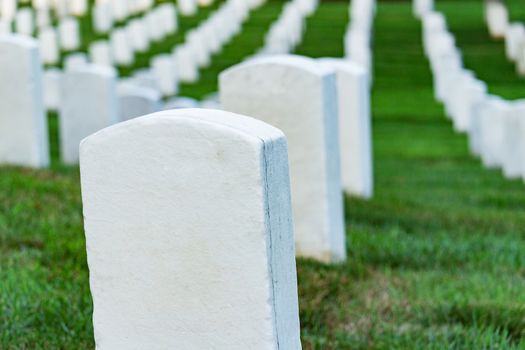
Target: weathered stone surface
x,y
355,139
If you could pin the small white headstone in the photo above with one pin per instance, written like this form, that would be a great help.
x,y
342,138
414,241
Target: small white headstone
x,y
100,53
69,33
89,103
102,17
355,138
497,18
298,96
514,142
170,250
121,48
23,123
52,89
49,49
162,67
187,7
25,22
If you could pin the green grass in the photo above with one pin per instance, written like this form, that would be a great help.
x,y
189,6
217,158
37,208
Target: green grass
x,y
435,261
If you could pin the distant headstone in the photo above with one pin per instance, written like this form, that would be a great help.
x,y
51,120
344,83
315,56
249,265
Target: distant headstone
x,y
102,17
513,163
355,138
52,89
171,251
136,101
23,124
100,53
187,7
298,96
496,17
89,103
69,33
25,21
49,49
162,67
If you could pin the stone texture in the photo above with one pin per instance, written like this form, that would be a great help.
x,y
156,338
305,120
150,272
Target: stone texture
x,y
189,235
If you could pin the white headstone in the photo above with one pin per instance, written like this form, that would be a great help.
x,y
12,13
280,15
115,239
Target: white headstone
x,y
8,9
75,61
69,33
102,17
89,103
162,67
23,124
187,7
78,7
421,7
100,53
49,49
355,138
43,17
497,18
298,96
121,48
513,141
514,41
186,64
25,22
170,250
119,9
137,36
52,89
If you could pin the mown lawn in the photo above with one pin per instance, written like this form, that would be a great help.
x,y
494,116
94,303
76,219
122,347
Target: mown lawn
x,y
436,259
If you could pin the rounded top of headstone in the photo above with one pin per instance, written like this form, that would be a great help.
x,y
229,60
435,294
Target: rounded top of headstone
x,y
206,119
294,61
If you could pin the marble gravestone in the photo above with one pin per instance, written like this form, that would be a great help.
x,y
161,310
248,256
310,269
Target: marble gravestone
x,y
89,102
23,123
355,139
298,95
189,238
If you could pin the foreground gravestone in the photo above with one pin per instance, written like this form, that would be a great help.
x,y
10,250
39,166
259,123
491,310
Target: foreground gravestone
x,y
170,250
355,139
298,96
89,102
23,125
